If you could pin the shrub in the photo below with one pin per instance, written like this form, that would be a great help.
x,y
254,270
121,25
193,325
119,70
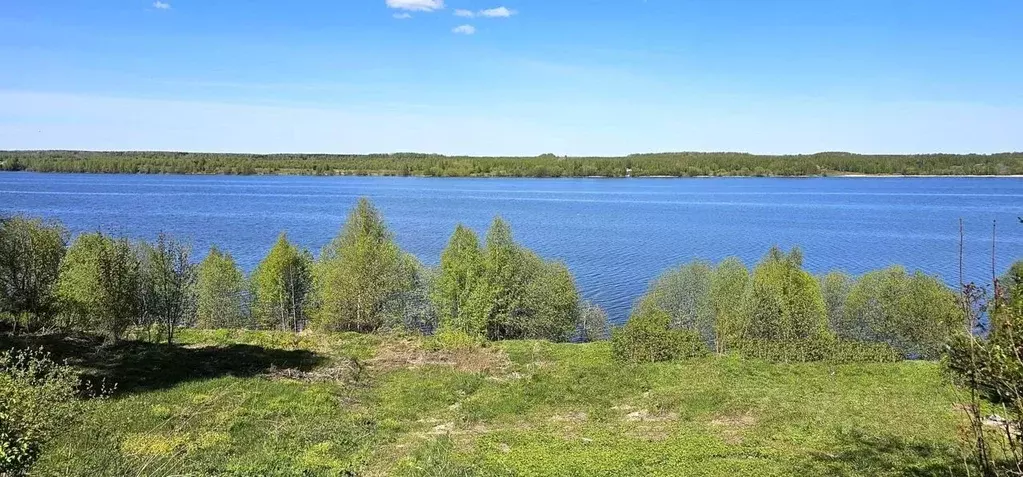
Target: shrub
x,y
831,351
915,314
685,295
30,255
592,324
647,337
38,398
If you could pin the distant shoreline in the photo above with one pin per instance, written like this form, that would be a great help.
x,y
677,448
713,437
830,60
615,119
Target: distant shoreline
x,y
659,165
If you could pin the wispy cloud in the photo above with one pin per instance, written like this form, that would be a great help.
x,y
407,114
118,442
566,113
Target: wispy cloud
x,y
464,13
464,30
499,12
403,16
416,5
161,5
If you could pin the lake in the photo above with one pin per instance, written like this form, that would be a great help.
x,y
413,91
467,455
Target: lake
x,y
614,234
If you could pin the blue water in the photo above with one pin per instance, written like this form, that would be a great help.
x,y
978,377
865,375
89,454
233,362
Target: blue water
x,y
615,234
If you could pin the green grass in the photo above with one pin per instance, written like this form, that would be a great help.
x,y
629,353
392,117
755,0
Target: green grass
x,y
251,403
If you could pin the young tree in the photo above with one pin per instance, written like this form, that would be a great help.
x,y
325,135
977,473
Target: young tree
x,y
731,278
220,292
279,287
505,276
358,272
100,284
168,285
30,255
459,291
784,302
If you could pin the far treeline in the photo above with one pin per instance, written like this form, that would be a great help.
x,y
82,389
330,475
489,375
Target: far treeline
x,y
677,164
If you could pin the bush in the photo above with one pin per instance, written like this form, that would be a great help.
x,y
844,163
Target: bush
x,y
452,340
30,255
592,324
685,295
830,351
915,314
648,338
38,398
100,284
731,278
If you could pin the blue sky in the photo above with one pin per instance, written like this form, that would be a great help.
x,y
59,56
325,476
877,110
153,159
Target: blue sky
x,y
577,77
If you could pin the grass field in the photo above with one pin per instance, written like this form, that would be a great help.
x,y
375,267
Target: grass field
x,y
259,403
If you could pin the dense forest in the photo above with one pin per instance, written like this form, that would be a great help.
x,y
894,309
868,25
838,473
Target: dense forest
x,y
680,164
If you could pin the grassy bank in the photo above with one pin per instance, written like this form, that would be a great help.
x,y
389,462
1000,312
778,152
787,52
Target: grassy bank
x,y
272,403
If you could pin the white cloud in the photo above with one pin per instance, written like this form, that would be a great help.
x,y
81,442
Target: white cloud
x,y
403,16
464,30
499,12
464,13
417,5
161,5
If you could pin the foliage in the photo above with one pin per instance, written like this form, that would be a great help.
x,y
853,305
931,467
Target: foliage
x,y
649,337
784,302
460,293
358,272
30,255
220,292
100,284
729,283
405,164
685,295
38,400
991,368
527,297
835,288
592,324
828,351
279,286
914,313
411,308
168,286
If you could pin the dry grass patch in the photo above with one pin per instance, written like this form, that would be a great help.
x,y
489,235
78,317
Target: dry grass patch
x,y
410,354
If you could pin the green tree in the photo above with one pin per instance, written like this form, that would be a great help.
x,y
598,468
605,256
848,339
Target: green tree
x,y
784,302
279,287
505,277
913,313
168,285
358,272
460,291
731,278
30,255
220,292
100,284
